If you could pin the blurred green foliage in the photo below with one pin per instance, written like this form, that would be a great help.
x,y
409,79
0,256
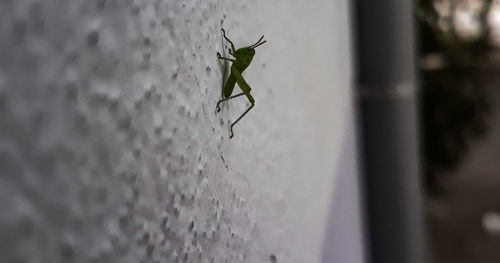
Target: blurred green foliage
x,y
453,104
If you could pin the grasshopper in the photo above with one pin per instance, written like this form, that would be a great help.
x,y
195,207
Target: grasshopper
x,y
242,59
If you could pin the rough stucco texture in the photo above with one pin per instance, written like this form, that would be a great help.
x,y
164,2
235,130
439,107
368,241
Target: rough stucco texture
x,y
111,149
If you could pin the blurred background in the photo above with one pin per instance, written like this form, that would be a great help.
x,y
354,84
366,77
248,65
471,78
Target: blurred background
x,y
459,66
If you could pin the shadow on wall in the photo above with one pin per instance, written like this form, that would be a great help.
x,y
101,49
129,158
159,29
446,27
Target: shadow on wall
x,y
344,233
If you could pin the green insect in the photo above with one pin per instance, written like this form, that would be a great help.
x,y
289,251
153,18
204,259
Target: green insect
x,y
242,59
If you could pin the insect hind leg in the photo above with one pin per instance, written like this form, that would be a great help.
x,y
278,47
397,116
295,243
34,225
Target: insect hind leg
x,y
228,98
239,118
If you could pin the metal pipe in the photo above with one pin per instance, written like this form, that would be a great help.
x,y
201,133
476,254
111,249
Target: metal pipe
x,y
385,80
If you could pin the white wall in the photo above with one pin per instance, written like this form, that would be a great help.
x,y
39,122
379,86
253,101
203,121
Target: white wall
x,y
111,150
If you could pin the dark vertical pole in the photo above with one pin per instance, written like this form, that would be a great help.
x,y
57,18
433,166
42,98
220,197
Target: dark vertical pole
x,y
387,98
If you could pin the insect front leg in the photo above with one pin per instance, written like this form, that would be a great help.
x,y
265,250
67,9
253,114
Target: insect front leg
x,y
223,58
230,42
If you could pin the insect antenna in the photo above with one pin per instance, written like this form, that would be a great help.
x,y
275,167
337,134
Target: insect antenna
x,y
254,46
258,42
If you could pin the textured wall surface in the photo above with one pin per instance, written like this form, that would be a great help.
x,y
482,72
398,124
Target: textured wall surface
x,y
111,149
